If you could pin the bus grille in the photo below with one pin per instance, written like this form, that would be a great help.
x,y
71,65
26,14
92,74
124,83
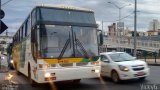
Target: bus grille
x,y
66,65
82,64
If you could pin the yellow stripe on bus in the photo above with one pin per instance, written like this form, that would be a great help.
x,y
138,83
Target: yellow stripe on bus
x,y
63,61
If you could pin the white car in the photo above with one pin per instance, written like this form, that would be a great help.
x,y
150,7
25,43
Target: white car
x,y
122,66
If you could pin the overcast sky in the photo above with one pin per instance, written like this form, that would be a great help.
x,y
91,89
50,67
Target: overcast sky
x,y
16,11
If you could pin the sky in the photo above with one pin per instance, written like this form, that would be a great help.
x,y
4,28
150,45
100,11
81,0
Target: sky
x,y
16,11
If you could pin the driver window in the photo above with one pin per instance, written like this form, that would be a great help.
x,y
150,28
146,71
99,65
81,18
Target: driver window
x,y
103,57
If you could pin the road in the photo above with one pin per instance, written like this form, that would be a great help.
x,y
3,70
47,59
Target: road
x,y
151,83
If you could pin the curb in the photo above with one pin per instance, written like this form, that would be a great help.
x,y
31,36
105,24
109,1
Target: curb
x,y
154,64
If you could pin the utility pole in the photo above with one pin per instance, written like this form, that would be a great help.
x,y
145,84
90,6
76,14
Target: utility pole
x,y
135,28
120,25
102,25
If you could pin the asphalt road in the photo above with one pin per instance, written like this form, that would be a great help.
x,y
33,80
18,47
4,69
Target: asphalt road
x,y
151,83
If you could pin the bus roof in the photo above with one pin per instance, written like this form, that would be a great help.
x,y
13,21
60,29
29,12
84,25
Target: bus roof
x,y
64,7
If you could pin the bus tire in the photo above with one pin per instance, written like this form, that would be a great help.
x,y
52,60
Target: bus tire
x,y
32,82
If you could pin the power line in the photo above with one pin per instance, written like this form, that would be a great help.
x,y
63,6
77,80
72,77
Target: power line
x,y
121,18
126,16
6,2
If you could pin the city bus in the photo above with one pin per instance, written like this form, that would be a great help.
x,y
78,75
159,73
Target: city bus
x,y
57,44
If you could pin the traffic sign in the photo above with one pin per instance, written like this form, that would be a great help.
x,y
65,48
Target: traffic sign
x,y
3,27
2,14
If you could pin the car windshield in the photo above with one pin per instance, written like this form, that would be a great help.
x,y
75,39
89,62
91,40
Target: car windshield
x,y
120,57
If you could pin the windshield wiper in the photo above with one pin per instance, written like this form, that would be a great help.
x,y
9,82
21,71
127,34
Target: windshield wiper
x,y
65,47
82,48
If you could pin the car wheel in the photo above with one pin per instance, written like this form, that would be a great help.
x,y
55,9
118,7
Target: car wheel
x,y
115,77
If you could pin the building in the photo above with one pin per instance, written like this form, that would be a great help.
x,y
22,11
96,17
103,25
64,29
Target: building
x,y
120,29
127,32
141,33
154,25
112,30
152,33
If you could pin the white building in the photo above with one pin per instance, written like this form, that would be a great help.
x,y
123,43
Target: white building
x,y
154,25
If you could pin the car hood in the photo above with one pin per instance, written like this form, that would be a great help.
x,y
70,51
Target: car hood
x,y
131,63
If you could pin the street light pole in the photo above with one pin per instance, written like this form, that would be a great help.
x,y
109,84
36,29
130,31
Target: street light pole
x,y
135,28
119,29
119,8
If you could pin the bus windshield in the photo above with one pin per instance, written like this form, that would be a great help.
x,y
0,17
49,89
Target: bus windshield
x,y
67,41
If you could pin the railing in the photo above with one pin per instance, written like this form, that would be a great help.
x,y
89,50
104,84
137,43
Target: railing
x,y
125,42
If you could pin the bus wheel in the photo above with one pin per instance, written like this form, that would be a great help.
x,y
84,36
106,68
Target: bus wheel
x,y
32,82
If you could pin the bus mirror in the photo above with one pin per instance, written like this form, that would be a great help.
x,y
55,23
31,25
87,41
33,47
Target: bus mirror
x,y
100,36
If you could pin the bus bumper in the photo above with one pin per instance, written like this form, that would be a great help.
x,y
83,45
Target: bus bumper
x,y
64,74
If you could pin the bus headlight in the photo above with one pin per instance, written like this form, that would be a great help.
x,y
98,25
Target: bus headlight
x,y
47,75
96,71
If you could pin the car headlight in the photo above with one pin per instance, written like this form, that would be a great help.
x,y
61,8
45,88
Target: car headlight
x,y
123,68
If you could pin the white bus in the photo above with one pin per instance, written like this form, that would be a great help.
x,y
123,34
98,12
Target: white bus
x,y
57,44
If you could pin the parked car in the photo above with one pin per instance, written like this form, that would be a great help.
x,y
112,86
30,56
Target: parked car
x,y
122,66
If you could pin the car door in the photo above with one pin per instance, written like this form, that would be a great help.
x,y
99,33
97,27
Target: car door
x,y
105,65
